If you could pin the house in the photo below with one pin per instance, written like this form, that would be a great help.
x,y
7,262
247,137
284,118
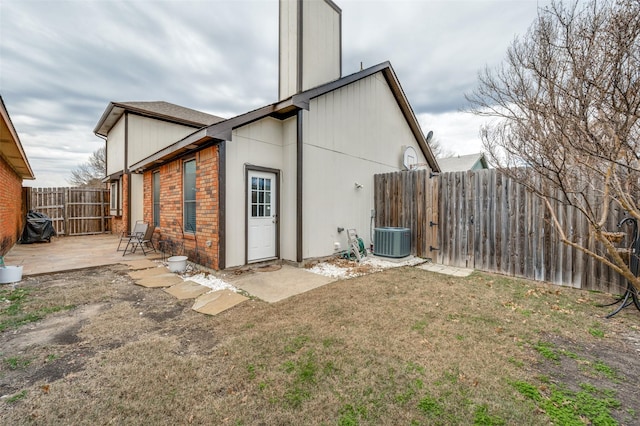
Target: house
x,y
133,131
284,181
463,163
14,168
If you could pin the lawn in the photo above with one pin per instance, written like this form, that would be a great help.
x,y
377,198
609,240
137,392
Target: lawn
x,y
403,346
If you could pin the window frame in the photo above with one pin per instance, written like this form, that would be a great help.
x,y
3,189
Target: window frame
x,y
155,197
186,225
115,198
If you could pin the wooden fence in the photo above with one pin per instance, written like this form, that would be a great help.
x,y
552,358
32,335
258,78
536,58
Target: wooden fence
x,y
73,211
409,200
489,222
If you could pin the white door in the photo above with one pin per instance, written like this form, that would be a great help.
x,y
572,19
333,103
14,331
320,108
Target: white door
x,y
261,217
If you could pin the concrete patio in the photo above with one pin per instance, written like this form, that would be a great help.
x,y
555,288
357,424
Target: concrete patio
x,y
69,253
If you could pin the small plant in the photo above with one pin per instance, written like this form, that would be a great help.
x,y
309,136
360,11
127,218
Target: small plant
x,y
596,331
349,415
547,350
482,417
419,326
15,363
516,362
14,313
430,406
17,397
604,369
296,344
251,369
590,405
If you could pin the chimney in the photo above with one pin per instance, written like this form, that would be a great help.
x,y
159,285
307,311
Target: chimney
x,y
310,45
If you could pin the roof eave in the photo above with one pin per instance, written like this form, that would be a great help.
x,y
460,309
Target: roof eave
x,y
19,162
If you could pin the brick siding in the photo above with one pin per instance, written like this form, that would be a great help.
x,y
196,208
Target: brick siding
x,y
11,214
207,207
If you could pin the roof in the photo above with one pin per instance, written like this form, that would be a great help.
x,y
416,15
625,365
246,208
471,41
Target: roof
x,y
288,107
463,163
11,147
156,109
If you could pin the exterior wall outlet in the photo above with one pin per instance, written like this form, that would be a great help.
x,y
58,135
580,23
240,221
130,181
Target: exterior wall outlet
x,y
336,246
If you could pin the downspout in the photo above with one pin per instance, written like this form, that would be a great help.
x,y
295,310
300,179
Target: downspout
x,y
126,170
299,170
222,186
299,145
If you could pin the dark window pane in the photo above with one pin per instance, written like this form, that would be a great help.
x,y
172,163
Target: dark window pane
x,y
254,196
261,211
267,210
254,211
156,198
189,195
267,184
261,183
254,183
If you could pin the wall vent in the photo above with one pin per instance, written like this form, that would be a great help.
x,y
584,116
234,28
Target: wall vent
x,y
392,242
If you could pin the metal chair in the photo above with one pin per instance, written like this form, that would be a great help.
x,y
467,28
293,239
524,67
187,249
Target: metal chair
x,y
146,240
139,227
136,237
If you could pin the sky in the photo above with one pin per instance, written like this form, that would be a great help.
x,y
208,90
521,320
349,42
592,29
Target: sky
x,y
63,61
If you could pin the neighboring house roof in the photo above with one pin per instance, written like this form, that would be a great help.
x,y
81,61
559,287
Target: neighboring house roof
x,y
462,163
288,107
10,146
157,109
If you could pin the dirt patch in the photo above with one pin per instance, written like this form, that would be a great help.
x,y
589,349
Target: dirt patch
x,y
397,347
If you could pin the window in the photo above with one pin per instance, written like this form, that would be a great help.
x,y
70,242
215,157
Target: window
x,y
155,185
260,197
189,195
114,197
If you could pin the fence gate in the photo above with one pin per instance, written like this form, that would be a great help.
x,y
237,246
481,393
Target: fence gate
x,y
73,211
409,200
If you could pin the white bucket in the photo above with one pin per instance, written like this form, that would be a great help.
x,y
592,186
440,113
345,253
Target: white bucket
x,y
177,263
10,274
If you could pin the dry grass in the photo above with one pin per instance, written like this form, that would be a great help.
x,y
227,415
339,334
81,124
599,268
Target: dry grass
x,y
403,346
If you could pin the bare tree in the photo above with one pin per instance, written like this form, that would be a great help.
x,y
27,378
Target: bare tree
x,y
565,105
438,150
92,172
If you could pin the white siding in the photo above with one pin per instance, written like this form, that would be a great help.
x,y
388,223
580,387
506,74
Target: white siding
x,y
321,44
349,135
288,48
262,144
115,148
148,136
136,200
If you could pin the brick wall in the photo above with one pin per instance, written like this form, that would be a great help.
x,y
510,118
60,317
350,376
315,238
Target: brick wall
x,y
11,214
207,207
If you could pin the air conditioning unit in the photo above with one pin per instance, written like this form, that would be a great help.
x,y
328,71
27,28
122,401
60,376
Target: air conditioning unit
x,y
392,242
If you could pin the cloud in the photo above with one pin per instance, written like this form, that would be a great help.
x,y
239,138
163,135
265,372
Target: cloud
x,y
62,62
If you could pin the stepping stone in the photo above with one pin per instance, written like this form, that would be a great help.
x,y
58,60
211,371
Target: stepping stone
x,y
165,280
140,264
217,301
446,270
147,273
187,290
